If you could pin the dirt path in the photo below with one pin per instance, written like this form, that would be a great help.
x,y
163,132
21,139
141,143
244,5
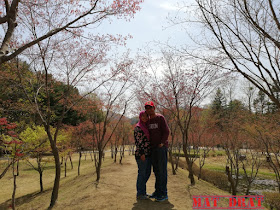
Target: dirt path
x,y
117,190
126,199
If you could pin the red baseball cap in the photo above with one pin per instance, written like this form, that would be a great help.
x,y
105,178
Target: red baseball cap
x,y
150,103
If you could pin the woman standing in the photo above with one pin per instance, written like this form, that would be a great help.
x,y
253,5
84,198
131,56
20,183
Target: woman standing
x,y
142,154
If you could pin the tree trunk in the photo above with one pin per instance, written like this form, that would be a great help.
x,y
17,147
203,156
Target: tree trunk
x,y
121,154
248,189
123,150
91,157
41,180
189,164
172,162
71,161
177,162
65,167
98,167
15,186
191,176
121,159
14,193
231,181
112,152
57,174
6,169
80,156
116,152
40,171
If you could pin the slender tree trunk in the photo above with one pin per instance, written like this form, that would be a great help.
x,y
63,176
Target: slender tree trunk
x,y
91,157
80,156
191,175
57,174
15,186
98,167
172,162
14,193
41,180
123,150
112,152
71,161
121,154
116,152
61,160
201,164
231,181
189,164
177,158
40,171
121,159
248,189
6,169
65,167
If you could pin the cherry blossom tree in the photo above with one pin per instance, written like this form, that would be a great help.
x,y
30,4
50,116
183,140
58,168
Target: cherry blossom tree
x,y
27,23
244,33
114,105
179,87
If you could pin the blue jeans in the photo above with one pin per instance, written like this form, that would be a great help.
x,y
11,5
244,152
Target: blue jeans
x,y
159,163
144,172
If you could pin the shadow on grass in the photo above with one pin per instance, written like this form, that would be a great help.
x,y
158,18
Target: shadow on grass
x,y
21,200
45,168
150,204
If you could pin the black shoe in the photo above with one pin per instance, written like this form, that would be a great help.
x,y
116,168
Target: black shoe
x,y
162,198
142,197
153,195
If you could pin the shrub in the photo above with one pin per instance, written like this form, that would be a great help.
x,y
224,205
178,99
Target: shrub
x,y
272,199
217,178
182,155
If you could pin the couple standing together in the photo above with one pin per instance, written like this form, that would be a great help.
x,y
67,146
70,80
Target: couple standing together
x,y
151,140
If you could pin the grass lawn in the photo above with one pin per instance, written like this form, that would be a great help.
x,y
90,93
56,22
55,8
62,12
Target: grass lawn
x,y
28,181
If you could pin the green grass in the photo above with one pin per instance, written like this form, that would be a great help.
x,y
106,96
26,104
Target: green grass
x,y
28,179
219,164
80,192
216,161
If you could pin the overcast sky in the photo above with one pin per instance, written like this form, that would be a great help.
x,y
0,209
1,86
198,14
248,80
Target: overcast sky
x,y
149,24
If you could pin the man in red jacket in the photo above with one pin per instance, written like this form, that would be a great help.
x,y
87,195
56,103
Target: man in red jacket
x,y
159,131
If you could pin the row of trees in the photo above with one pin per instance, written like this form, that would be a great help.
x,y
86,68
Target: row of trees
x,y
179,88
55,40
89,123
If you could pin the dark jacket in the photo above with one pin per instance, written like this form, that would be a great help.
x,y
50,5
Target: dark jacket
x,y
143,145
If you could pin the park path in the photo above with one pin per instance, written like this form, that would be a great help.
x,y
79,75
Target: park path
x,y
117,190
